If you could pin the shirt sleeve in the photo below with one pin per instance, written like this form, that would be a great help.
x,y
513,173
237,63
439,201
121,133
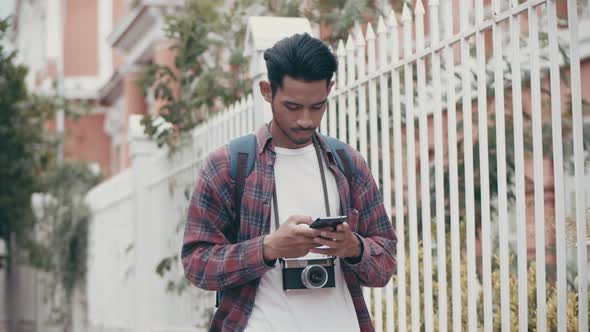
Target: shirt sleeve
x,y
211,261
375,230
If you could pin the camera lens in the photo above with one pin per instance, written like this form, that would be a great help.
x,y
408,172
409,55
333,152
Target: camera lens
x,y
314,276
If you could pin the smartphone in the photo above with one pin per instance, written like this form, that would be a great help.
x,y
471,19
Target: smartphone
x,y
328,222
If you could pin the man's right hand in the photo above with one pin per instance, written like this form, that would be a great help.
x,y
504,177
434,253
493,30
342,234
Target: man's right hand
x,y
293,239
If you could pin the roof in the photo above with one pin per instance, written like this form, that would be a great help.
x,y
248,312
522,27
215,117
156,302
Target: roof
x,y
263,32
134,23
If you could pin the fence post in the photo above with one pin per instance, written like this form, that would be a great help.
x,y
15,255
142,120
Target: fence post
x,y
141,149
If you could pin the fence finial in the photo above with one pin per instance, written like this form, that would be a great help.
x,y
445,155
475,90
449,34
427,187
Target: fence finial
x,y
380,26
340,51
406,15
391,19
419,10
349,43
360,40
370,32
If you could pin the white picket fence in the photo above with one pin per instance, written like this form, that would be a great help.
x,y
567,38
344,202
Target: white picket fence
x,y
386,82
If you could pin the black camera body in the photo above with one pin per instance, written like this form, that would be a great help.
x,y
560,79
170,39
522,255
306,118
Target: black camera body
x,y
308,273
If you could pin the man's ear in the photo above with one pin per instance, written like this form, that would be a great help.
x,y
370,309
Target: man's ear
x,y
330,85
266,91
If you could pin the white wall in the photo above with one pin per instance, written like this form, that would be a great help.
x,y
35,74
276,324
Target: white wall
x,y
110,269
32,49
138,220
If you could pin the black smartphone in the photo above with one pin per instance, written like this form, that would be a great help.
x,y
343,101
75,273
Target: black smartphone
x,y
328,222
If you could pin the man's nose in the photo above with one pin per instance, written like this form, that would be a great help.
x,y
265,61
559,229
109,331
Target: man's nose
x,y
305,120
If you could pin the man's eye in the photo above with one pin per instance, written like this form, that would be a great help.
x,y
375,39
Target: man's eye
x,y
291,107
317,107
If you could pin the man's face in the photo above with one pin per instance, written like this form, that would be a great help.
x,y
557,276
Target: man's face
x,y
297,108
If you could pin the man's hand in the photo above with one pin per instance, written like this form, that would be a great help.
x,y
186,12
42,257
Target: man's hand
x,y
342,242
293,239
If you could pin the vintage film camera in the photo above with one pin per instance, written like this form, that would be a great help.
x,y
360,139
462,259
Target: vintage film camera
x,y
308,273
312,273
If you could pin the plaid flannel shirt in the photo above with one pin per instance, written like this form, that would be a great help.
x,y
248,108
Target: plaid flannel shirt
x,y
216,255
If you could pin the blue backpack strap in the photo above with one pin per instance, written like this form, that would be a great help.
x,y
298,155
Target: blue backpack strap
x,y
245,146
342,157
242,157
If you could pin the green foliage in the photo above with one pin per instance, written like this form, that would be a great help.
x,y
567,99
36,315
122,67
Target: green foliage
x,y
211,68
26,149
60,245
341,15
551,293
178,285
55,238
167,266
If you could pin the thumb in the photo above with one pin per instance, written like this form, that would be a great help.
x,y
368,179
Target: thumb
x,y
300,219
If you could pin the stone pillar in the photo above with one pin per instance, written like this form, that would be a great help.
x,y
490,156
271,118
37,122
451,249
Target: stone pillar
x,y
134,99
262,109
135,104
141,151
164,54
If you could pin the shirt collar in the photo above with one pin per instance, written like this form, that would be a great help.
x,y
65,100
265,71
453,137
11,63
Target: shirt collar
x,y
263,137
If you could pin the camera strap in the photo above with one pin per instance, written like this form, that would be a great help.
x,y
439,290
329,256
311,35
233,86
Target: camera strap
x,y
324,185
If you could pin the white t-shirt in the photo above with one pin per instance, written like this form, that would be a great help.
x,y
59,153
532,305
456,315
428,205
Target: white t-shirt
x,y
299,191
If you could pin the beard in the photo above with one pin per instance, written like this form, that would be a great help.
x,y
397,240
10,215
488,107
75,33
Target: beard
x,y
291,133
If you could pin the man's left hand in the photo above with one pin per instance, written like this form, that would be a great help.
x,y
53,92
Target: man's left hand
x,y
341,243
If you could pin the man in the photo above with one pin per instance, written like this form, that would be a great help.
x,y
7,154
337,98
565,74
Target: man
x,y
242,252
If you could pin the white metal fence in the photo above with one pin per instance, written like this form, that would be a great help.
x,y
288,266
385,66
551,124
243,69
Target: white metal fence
x,y
479,206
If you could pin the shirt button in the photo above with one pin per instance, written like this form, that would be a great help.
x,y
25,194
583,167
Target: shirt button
x,y
269,163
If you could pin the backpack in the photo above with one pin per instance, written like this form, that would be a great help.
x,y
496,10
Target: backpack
x,y
242,159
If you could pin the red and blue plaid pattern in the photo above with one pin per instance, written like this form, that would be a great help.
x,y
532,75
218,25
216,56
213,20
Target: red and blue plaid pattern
x,y
219,256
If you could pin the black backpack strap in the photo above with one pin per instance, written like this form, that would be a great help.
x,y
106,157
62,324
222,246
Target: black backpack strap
x,y
218,296
242,157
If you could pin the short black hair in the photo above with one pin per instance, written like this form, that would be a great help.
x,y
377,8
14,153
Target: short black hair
x,y
301,57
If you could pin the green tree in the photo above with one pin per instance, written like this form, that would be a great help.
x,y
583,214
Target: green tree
x,y
23,143
55,239
342,15
211,69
